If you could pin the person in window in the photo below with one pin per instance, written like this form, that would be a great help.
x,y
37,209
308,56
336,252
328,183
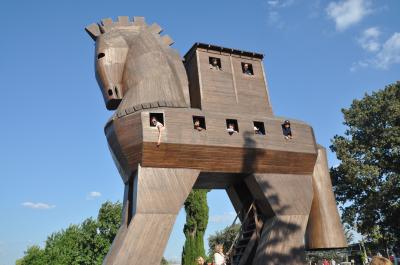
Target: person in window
x,y
197,125
246,69
214,64
231,129
287,131
160,128
257,130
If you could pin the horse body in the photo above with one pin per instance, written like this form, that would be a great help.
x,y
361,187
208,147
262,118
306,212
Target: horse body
x,y
141,75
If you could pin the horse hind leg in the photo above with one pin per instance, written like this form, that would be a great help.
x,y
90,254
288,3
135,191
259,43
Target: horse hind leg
x,y
285,201
152,201
324,216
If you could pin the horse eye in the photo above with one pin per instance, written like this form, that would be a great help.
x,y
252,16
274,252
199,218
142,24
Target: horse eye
x,y
100,55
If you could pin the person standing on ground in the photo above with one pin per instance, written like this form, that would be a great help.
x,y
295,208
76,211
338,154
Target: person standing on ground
x,y
219,257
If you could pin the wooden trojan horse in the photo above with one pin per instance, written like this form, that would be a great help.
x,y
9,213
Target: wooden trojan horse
x,y
287,181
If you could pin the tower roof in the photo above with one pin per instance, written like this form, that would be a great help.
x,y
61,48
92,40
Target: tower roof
x,y
223,49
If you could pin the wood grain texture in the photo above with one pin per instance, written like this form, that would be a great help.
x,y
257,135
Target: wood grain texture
x,y
285,194
286,202
135,65
215,159
228,89
282,241
324,229
212,150
157,196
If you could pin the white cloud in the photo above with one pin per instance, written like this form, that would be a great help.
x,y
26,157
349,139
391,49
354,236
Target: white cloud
x,y
348,12
280,3
358,65
93,195
274,11
390,52
223,218
369,39
385,56
275,19
38,205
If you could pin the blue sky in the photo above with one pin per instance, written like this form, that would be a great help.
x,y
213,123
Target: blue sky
x,y
55,168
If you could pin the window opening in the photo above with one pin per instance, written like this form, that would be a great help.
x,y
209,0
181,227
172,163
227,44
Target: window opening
x,y
215,63
259,127
156,118
232,126
247,69
199,123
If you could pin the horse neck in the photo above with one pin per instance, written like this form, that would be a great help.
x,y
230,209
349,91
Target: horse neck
x,y
153,73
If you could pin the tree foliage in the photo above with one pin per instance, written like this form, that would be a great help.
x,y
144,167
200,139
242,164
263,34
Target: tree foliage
x,y
196,223
367,181
224,237
83,244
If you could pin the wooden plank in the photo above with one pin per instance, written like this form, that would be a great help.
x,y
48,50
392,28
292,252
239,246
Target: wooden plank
x,y
157,197
215,159
124,21
166,39
155,28
93,30
282,241
285,194
324,216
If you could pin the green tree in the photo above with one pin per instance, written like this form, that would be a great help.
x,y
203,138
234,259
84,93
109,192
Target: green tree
x,y
33,256
83,244
196,223
367,181
348,233
164,261
224,237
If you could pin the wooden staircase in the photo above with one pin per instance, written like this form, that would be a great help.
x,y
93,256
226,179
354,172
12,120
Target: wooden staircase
x,y
243,248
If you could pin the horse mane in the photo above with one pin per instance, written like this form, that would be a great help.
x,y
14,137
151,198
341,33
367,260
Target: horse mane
x,y
123,23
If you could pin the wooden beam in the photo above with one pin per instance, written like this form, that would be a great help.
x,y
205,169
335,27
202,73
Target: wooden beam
x,y
324,215
158,194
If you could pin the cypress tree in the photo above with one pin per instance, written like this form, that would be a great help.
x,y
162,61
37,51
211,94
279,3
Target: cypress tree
x,y
196,223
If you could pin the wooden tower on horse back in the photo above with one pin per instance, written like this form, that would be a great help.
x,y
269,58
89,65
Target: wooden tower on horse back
x,y
284,182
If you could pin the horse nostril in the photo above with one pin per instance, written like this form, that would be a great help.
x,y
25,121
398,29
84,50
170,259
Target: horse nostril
x,y
100,55
110,92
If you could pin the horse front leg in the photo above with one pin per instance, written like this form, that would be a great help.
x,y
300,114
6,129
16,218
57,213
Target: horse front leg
x,y
153,198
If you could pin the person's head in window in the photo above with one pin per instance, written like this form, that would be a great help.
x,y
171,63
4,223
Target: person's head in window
x,y
197,125
287,131
156,123
214,64
231,128
246,69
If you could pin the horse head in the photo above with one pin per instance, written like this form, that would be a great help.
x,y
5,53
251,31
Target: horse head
x,y
135,65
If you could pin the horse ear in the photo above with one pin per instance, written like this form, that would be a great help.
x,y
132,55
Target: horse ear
x,y
93,30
